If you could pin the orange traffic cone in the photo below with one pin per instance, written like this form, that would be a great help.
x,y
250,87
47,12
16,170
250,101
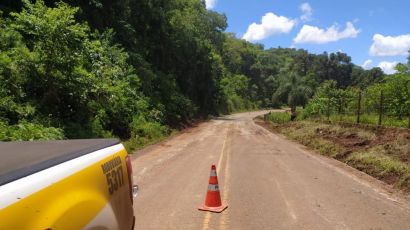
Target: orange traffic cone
x,y
213,197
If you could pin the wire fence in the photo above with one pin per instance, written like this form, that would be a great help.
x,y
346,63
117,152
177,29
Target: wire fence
x,y
364,107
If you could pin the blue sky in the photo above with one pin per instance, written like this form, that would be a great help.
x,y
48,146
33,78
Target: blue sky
x,y
375,32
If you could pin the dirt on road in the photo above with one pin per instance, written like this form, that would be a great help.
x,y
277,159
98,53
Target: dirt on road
x,y
268,182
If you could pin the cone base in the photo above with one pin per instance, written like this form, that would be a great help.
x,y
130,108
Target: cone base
x,y
212,209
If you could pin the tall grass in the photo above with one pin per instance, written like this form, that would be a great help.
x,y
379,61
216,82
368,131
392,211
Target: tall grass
x,y
279,117
370,119
378,163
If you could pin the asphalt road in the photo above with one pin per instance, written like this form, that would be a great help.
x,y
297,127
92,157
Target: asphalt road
x,y
268,182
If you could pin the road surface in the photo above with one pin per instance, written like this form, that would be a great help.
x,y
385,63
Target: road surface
x,y
268,182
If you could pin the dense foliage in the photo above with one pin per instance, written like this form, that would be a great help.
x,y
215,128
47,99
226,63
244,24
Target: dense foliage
x,y
130,68
387,100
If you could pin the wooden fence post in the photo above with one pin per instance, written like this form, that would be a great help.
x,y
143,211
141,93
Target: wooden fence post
x,y
409,119
381,108
341,100
358,107
328,109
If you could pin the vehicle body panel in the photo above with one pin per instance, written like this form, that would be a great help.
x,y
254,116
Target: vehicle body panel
x,y
71,195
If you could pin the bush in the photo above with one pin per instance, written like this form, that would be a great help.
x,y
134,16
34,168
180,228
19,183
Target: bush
x,y
144,132
26,131
151,130
279,118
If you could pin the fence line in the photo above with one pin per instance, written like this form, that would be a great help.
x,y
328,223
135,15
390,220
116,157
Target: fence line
x,y
364,107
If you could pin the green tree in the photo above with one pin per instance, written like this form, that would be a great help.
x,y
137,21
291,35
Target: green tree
x,y
329,98
235,90
397,91
294,90
16,62
408,59
364,78
76,79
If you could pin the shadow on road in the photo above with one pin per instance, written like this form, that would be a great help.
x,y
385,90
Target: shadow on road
x,y
224,118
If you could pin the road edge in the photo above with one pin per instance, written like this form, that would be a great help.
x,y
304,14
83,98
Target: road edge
x,y
386,190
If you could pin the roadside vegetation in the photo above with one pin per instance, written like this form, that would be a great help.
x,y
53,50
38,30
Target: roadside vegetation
x,y
139,69
381,152
385,103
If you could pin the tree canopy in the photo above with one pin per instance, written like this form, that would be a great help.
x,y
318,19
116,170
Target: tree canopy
x,y
124,68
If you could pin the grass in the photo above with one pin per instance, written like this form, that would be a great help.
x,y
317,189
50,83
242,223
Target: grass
x,y
306,133
137,143
383,153
370,119
278,118
379,164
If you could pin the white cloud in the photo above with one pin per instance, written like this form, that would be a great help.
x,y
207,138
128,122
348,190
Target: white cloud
x,y
388,67
307,12
390,46
316,35
271,24
210,4
367,64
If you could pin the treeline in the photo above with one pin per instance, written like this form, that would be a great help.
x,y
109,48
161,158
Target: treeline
x,y
132,68
383,103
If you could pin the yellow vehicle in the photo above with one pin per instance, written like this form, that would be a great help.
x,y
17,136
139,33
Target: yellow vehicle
x,y
69,184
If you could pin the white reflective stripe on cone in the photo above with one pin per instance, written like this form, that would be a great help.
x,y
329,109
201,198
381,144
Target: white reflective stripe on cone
x,y
213,187
213,173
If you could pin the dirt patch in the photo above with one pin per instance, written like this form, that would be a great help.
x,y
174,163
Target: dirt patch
x,y
387,135
350,141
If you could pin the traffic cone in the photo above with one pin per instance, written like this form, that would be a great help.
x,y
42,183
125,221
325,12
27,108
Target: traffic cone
x,y
213,197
